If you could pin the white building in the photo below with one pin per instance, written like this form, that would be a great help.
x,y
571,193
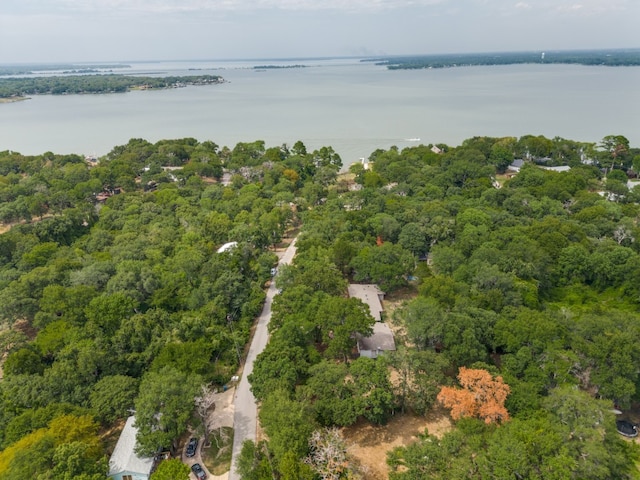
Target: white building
x,y
561,168
124,463
227,246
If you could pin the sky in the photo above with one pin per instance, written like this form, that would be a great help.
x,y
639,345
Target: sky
x,y
129,30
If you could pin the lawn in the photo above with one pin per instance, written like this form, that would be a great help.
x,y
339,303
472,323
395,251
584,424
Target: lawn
x,y
217,456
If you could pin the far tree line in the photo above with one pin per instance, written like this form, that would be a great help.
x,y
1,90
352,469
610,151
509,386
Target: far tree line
x,y
109,83
611,58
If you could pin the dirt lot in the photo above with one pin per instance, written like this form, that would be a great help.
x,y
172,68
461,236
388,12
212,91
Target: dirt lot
x,y
370,444
391,304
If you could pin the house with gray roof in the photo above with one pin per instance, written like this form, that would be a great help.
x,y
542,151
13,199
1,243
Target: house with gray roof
x,y
381,340
371,295
124,463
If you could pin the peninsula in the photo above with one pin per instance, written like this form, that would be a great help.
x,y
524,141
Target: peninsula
x,y
16,88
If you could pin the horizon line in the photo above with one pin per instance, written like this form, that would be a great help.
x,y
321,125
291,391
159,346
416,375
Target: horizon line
x,y
319,57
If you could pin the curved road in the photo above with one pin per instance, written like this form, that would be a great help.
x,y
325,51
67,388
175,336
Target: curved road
x,y
245,409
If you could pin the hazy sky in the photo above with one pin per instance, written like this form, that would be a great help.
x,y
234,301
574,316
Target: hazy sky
x,y
120,30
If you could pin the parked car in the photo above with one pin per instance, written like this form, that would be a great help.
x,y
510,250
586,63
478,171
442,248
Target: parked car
x,y
192,446
626,428
199,472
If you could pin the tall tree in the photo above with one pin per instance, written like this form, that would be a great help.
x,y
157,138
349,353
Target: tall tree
x,y
163,408
481,396
340,319
287,423
203,403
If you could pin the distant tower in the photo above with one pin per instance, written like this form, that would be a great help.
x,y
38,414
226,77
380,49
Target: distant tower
x,y
542,57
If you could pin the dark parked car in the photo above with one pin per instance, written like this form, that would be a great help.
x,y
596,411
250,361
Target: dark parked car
x,y
197,469
626,428
192,447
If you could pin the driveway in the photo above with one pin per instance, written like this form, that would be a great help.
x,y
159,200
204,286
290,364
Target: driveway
x,y
220,416
245,409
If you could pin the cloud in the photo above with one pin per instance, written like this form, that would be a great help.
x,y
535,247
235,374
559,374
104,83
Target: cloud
x,y
594,7
570,8
523,5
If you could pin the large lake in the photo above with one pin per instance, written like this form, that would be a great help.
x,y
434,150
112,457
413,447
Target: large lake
x,y
352,106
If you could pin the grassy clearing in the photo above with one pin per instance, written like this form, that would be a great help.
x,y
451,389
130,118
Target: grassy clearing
x,y
217,456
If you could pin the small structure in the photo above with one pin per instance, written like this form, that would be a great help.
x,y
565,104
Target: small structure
x,y
371,295
515,166
227,246
436,150
92,160
381,340
560,168
124,463
107,193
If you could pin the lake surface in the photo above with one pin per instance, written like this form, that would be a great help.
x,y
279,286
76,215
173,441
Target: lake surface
x,y
352,106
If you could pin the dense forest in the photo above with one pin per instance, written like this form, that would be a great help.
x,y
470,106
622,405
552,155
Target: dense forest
x,y
523,286
73,84
112,295
610,58
523,319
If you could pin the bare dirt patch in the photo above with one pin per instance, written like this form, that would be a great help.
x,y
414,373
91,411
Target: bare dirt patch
x,y
397,299
394,302
25,327
369,444
5,227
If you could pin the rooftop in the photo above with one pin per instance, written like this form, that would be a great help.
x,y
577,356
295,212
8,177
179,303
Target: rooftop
x,y
381,339
227,246
371,295
124,458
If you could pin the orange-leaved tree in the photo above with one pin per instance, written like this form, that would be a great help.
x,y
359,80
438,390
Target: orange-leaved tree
x,y
481,396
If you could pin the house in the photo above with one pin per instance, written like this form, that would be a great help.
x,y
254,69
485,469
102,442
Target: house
x,y
516,165
107,193
92,160
371,295
124,463
381,340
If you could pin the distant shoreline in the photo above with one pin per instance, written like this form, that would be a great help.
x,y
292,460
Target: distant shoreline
x,y
17,87
609,58
13,99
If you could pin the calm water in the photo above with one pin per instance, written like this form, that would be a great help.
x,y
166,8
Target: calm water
x,y
354,107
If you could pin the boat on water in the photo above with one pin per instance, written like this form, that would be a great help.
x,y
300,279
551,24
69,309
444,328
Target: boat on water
x,y
413,139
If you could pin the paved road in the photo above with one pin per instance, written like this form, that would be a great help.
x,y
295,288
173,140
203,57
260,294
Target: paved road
x,y
245,414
